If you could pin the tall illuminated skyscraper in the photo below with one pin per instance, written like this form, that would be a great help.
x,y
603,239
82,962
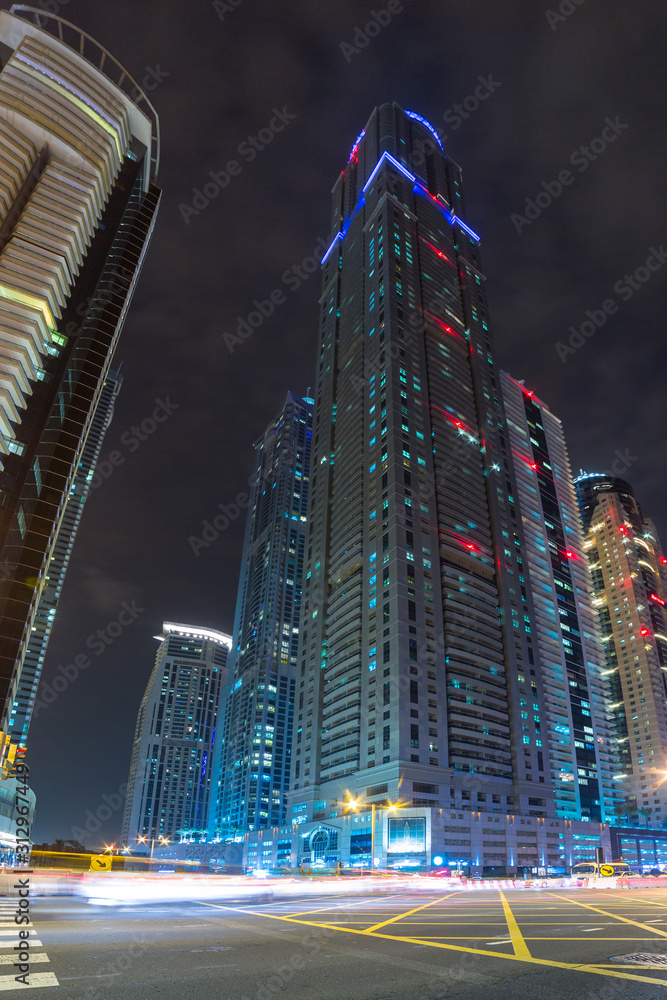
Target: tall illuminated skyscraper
x,y
40,633
78,155
578,717
417,625
629,573
170,783
255,763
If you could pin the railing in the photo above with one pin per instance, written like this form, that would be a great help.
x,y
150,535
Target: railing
x,y
97,56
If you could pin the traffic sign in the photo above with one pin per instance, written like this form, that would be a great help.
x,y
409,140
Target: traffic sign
x,y
606,870
100,863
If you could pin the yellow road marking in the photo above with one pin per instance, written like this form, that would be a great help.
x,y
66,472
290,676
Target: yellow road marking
x,y
457,937
520,946
652,901
616,916
401,916
592,969
324,909
454,947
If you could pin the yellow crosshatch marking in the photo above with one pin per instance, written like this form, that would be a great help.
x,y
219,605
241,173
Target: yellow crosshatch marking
x,y
402,916
511,923
626,920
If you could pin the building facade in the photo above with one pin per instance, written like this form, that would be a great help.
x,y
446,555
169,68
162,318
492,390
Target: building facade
x,y
254,767
417,648
79,152
170,783
578,723
474,841
629,574
40,633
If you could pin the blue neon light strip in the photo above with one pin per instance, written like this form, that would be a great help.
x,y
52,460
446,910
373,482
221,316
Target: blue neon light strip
x,y
419,118
338,236
451,218
468,230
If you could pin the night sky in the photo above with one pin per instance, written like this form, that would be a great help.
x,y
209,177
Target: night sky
x,y
217,76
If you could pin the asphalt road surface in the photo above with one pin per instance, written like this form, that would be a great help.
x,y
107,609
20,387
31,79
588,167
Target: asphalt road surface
x,y
484,945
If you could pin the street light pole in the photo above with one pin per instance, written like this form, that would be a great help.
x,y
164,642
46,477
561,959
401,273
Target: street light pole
x,y
372,835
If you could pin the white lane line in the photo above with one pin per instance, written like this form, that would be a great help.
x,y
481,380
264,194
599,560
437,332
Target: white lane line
x,y
104,975
227,966
587,930
503,941
8,931
35,979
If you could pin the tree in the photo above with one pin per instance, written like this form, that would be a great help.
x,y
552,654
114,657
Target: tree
x,y
63,847
620,813
645,811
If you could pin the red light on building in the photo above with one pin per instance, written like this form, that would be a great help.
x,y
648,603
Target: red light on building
x,y
658,600
644,631
663,560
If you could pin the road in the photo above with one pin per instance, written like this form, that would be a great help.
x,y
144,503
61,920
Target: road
x,y
507,944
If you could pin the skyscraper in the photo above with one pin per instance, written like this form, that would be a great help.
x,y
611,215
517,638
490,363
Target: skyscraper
x,y
417,624
578,696
40,632
170,782
77,207
629,573
255,764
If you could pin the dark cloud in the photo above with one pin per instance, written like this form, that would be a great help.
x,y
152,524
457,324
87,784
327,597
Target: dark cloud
x,y
225,78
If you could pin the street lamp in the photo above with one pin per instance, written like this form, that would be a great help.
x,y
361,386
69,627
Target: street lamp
x,y
144,840
354,804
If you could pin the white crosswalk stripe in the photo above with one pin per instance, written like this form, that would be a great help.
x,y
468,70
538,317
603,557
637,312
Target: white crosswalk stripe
x,y
41,956
9,943
35,980
9,937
